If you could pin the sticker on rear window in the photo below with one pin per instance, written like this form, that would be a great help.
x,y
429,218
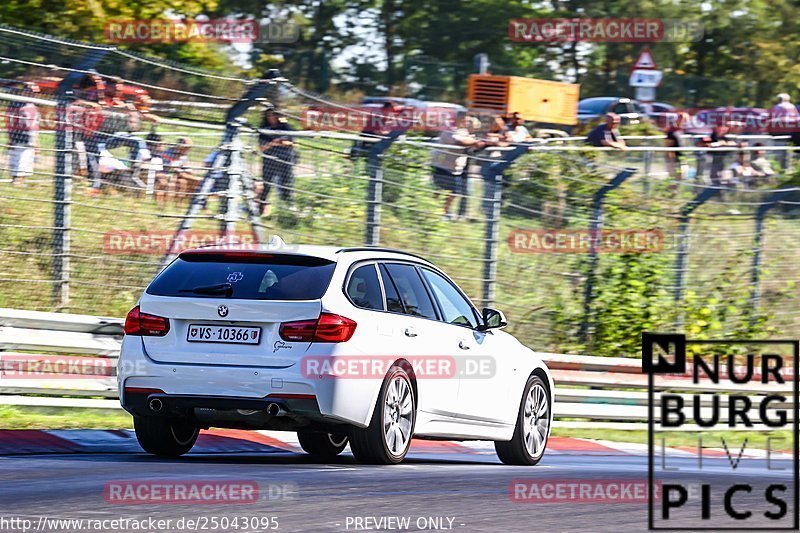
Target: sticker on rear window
x,y
233,277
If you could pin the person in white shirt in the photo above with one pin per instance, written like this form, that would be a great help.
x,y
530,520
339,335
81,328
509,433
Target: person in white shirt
x,y
742,169
517,132
23,135
762,164
784,110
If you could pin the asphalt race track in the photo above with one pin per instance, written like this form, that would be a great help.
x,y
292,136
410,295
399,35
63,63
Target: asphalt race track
x,y
435,490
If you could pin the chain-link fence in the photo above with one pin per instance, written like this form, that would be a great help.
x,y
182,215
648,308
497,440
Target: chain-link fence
x,y
583,248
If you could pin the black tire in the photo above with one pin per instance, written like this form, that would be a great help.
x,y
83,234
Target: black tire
x,y
370,445
515,451
320,445
164,436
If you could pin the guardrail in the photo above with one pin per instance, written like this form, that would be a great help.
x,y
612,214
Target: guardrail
x,y
71,361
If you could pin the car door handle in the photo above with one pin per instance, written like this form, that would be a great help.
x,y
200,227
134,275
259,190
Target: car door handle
x,y
463,345
410,332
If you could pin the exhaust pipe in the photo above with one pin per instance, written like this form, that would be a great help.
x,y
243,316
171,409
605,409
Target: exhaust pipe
x,y
275,409
156,405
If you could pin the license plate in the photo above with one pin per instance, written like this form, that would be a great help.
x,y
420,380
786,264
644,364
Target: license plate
x,y
223,334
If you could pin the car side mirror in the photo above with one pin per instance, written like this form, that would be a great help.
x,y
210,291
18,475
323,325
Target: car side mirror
x,y
494,319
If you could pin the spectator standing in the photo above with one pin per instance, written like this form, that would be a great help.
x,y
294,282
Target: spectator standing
x,y
719,139
784,116
676,163
607,134
278,160
23,135
785,120
450,164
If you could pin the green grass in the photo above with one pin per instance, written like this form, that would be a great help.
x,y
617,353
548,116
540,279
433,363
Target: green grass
x,y
12,417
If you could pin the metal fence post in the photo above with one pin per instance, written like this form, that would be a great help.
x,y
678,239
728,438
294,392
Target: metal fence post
x,y
62,219
755,270
372,235
62,193
595,227
683,246
492,203
648,168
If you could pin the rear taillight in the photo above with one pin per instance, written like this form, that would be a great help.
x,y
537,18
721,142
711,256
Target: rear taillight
x,y
138,323
327,328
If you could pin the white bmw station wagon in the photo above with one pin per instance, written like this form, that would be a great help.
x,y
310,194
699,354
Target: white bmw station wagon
x,y
366,346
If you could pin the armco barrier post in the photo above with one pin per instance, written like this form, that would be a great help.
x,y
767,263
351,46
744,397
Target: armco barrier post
x,y
683,246
62,197
755,270
372,235
492,201
595,226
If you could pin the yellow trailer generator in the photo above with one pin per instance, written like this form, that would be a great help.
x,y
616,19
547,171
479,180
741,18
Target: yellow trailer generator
x,y
543,102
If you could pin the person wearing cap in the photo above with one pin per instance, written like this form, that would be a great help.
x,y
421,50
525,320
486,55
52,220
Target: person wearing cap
x,y
23,135
607,134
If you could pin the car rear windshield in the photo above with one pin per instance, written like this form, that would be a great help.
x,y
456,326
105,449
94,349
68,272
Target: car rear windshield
x,y
245,276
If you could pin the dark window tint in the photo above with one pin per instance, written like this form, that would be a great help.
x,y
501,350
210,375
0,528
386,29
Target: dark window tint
x,y
364,289
393,302
455,308
244,276
621,109
412,291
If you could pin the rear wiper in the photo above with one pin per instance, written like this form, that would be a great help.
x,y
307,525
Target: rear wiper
x,y
219,288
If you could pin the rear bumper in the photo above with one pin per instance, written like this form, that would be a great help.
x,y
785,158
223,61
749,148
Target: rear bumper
x,y
184,387
141,402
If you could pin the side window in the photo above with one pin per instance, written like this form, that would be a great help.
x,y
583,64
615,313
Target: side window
x,y
412,291
364,289
621,109
456,309
393,302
